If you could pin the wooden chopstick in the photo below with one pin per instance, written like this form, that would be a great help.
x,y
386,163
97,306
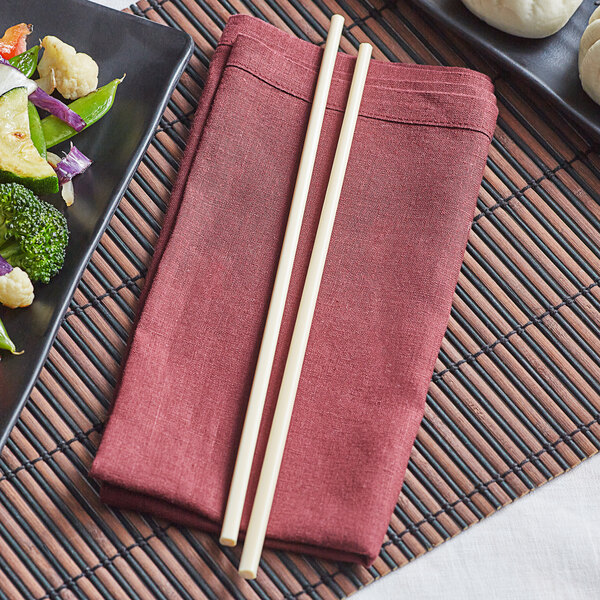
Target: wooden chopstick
x,y
264,365
267,483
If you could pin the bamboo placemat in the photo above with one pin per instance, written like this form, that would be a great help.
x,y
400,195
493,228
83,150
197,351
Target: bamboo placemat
x,y
513,402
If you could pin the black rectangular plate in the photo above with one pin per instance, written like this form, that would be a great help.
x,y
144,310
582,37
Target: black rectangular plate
x,y
153,57
549,64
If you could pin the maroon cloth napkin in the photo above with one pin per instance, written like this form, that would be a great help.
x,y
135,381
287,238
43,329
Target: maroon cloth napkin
x,y
404,216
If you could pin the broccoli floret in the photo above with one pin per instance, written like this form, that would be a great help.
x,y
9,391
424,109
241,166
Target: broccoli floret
x,y
33,234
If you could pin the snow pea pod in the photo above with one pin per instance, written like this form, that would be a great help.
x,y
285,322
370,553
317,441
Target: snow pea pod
x,y
27,61
5,341
91,108
35,129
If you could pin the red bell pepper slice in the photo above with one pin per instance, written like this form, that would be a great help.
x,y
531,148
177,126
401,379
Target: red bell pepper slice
x,y
15,40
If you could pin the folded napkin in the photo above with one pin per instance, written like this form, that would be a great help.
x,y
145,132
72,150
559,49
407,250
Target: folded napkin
x,y
408,200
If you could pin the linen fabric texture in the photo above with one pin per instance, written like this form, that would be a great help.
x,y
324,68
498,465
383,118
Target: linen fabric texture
x,y
400,233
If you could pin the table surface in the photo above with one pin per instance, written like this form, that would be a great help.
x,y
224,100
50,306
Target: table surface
x,y
545,545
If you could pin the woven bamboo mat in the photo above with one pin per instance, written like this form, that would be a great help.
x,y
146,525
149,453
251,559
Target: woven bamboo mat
x,y
513,402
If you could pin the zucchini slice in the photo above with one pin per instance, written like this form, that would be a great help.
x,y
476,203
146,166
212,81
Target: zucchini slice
x,y
20,162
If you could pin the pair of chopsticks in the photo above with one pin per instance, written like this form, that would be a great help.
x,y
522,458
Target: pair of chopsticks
x,y
257,527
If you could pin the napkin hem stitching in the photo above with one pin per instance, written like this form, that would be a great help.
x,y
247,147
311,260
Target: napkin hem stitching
x,y
466,72
368,115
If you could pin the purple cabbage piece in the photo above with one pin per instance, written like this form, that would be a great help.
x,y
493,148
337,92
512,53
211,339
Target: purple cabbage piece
x,y
5,268
57,108
74,163
3,61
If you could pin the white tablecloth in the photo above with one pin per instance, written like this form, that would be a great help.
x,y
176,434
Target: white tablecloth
x,y
545,546
118,4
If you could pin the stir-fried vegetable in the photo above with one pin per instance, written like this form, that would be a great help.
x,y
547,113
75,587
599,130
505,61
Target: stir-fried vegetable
x,y
27,61
57,108
33,234
16,289
14,40
5,268
75,74
35,129
20,161
5,342
74,163
11,78
91,108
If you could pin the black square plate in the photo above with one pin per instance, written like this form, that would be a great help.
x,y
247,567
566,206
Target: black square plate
x,y
549,64
153,57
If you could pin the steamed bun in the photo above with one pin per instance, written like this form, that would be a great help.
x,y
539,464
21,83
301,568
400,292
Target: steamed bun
x,y
525,18
589,58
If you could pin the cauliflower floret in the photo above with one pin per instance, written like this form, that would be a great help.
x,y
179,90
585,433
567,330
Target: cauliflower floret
x,y
47,83
16,289
75,73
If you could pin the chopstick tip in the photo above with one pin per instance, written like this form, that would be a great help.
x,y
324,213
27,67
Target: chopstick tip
x,y
247,573
227,541
339,18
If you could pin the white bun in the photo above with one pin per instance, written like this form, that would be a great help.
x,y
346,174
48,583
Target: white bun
x,y
525,18
589,73
590,36
595,15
